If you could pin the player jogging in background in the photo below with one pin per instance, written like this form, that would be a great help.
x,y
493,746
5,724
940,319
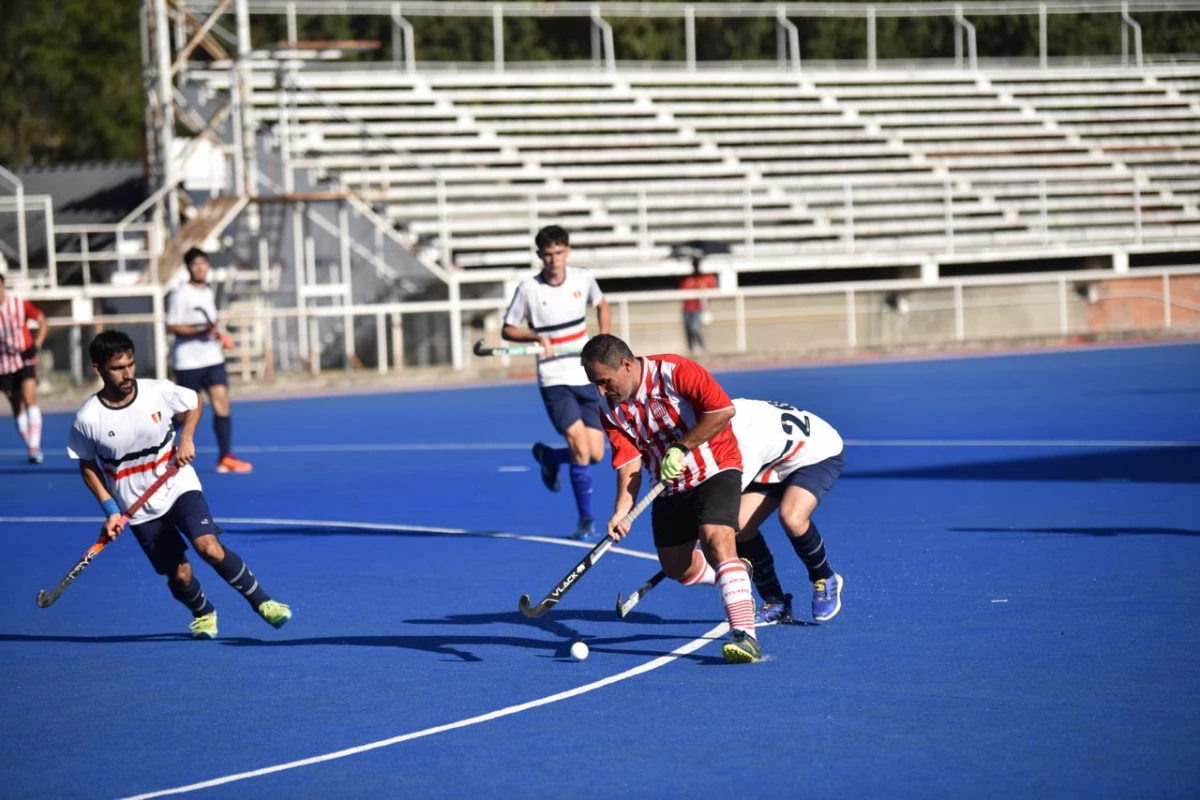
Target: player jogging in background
x,y
550,309
669,414
18,365
791,459
198,353
124,438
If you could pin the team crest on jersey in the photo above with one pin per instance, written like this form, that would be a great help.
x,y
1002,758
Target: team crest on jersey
x,y
156,416
659,409
577,295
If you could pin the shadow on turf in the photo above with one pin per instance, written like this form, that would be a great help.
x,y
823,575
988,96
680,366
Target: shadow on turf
x,y
1089,531
128,639
455,646
1132,465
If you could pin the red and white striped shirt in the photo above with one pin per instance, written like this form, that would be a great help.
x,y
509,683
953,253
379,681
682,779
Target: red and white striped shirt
x,y
673,394
14,333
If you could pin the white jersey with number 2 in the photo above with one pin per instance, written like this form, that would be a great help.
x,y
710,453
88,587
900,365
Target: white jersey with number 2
x,y
777,439
134,444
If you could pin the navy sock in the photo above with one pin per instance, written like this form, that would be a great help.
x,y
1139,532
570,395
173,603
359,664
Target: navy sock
x,y
581,483
765,579
191,596
238,575
811,549
223,426
557,456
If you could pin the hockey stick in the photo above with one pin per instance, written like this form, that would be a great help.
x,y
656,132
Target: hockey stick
x,y
530,349
625,606
588,561
44,600
226,342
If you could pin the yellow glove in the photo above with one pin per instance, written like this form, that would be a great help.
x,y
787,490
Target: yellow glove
x,y
673,462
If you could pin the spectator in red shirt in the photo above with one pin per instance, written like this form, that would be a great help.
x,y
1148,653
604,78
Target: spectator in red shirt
x,y
18,365
695,310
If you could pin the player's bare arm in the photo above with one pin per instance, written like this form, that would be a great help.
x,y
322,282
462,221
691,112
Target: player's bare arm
x,y
629,485
43,330
511,333
604,316
709,425
185,452
94,481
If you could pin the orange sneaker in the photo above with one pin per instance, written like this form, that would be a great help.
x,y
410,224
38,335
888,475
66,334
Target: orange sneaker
x,y
232,463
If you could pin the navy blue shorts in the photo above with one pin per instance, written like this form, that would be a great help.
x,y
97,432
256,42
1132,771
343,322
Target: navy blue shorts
x,y
202,378
568,404
817,478
162,539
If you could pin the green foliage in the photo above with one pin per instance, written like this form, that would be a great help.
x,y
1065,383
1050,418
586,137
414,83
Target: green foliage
x,y
71,86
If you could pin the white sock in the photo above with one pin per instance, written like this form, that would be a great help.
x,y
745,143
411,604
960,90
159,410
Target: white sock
x,y
734,584
23,426
35,428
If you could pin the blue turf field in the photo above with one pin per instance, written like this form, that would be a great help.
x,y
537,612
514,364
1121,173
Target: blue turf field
x,y
1020,537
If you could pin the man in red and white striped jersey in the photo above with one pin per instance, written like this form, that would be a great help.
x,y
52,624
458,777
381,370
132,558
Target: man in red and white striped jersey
x,y
18,365
668,413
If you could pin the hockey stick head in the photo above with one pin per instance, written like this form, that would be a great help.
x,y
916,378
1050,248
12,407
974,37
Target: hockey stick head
x,y
532,611
44,600
480,349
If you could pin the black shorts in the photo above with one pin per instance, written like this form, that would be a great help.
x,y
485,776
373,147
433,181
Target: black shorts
x,y
202,378
677,518
162,538
568,404
11,381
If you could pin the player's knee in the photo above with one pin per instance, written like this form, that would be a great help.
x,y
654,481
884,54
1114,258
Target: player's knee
x,y
209,549
181,576
795,521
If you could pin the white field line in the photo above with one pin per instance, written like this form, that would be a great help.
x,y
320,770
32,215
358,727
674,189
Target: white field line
x,y
402,447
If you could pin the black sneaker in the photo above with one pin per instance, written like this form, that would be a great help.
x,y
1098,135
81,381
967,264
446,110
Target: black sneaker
x,y
549,473
774,612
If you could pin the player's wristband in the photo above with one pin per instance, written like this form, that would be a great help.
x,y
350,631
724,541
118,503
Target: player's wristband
x,y
110,507
680,446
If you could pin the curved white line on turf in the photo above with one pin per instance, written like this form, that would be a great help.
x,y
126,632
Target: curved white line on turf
x,y
661,661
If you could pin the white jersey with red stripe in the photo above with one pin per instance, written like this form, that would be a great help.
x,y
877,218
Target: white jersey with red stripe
x,y
777,439
134,444
196,306
14,333
673,394
560,314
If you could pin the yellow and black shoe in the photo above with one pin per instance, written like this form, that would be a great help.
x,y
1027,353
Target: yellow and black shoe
x,y
205,627
742,648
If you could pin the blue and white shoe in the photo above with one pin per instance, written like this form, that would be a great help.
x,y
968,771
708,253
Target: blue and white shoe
x,y
36,457
774,612
827,598
586,531
549,473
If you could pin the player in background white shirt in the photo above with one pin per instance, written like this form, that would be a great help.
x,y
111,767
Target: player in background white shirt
x,y
198,353
791,459
550,309
124,438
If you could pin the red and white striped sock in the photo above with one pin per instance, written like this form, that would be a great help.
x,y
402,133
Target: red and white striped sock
x,y
35,428
704,575
734,584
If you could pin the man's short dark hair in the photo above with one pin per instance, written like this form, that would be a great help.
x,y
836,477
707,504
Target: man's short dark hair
x,y
191,255
551,234
605,349
108,344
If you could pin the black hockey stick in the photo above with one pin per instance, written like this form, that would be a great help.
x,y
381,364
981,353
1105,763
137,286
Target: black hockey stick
x,y
589,561
44,599
226,342
625,606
